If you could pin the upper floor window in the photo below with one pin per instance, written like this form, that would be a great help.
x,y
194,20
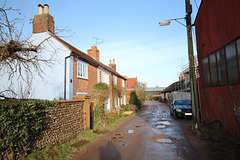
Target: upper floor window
x,y
238,52
213,69
103,76
232,66
123,83
82,70
223,66
106,78
115,80
206,73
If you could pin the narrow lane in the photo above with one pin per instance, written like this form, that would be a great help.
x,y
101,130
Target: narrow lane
x,y
151,134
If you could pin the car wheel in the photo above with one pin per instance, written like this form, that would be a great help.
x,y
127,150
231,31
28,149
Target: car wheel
x,y
174,115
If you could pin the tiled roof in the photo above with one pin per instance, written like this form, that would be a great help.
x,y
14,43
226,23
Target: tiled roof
x,y
86,57
132,82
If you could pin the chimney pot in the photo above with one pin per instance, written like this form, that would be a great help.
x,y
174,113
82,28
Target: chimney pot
x,y
46,9
40,9
43,22
93,47
112,65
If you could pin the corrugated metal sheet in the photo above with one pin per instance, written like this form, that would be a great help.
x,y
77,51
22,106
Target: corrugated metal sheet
x,y
217,24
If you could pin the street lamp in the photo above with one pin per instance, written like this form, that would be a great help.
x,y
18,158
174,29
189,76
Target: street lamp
x,y
167,22
194,95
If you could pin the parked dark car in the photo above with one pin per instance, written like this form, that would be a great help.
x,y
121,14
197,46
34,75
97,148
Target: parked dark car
x,y
181,107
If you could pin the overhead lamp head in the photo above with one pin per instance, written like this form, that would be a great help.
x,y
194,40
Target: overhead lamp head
x,y
164,23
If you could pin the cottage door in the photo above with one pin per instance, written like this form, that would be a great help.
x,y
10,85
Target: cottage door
x,y
91,116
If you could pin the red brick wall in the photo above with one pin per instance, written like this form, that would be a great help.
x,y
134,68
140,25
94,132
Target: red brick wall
x,y
111,91
84,85
93,52
123,89
79,84
43,23
92,77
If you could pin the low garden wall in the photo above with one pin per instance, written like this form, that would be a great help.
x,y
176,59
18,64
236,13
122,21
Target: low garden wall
x,y
29,125
63,122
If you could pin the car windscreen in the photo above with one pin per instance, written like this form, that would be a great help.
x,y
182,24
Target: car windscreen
x,y
182,102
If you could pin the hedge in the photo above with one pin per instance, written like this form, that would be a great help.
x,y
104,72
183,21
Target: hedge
x,y
21,122
134,100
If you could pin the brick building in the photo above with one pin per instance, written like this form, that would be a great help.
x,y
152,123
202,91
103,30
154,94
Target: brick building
x,y
73,72
132,84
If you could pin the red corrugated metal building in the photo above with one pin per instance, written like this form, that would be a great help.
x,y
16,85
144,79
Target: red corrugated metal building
x,y
217,28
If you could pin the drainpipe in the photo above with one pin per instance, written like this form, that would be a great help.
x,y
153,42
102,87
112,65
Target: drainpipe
x,y
65,77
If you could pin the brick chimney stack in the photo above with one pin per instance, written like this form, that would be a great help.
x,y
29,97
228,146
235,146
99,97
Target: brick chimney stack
x,y
112,65
43,22
93,52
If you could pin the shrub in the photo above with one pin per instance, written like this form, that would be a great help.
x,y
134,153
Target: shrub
x,y
125,107
117,92
99,114
100,92
21,123
134,100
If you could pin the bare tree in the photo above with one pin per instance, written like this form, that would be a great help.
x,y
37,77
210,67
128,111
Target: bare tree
x,y
140,91
19,59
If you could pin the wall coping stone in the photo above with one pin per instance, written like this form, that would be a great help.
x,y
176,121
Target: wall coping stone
x,y
69,101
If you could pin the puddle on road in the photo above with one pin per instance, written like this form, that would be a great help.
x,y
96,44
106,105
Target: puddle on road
x,y
118,134
160,126
163,139
130,131
167,123
115,138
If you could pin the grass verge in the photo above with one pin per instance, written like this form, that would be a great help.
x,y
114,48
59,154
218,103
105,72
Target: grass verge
x,y
66,150
222,145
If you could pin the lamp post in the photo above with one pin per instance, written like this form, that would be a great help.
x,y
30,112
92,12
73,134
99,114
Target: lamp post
x,y
194,95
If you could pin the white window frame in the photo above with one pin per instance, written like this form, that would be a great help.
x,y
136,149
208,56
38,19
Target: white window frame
x,y
123,83
115,80
82,70
106,78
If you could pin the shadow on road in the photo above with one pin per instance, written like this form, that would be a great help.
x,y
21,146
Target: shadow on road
x,y
109,152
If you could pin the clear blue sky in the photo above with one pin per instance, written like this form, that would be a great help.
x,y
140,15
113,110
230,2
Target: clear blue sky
x,y
130,30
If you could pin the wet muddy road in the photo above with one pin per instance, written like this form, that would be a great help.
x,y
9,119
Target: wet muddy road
x,y
151,134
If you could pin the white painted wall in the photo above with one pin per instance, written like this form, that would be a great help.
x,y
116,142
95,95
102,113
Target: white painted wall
x,y
69,78
51,86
